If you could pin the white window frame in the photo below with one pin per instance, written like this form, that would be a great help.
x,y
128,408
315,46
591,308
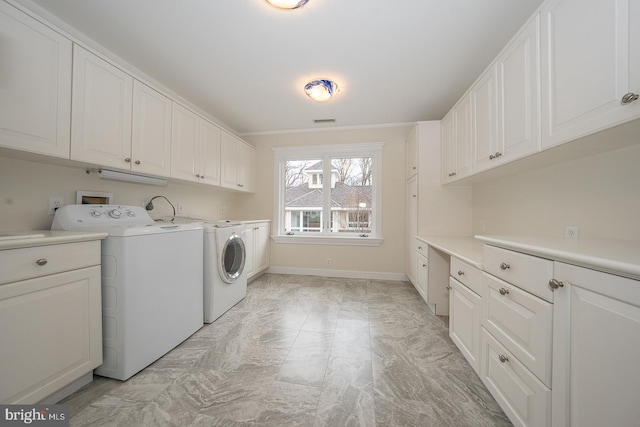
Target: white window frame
x,y
325,153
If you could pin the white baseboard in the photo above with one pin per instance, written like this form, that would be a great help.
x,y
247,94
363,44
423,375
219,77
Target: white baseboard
x,y
349,274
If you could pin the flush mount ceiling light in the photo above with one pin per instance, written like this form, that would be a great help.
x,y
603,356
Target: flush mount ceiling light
x,y
287,4
321,90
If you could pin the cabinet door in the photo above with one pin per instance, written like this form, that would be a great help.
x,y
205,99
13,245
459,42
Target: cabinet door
x,y
250,252
185,143
35,105
589,63
411,226
465,315
596,326
209,157
422,276
448,145
246,167
151,138
485,104
463,122
229,161
519,95
411,153
55,333
261,244
101,111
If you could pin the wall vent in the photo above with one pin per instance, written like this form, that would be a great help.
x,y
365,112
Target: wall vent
x,y
320,121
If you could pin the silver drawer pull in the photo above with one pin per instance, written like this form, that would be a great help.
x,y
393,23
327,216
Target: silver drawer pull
x,y
503,358
449,287
629,98
555,284
504,291
42,261
504,266
460,273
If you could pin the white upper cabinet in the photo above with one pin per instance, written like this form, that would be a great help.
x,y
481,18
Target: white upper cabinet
x,y
237,165
590,61
464,135
101,113
507,103
35,87
209,157
151,138
519,95
195,147
457,140
485,105
411,154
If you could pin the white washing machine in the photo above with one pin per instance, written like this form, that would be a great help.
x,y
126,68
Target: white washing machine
x,y
152,277
225,279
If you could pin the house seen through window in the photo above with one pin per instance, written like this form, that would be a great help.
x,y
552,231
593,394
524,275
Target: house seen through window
x,y
328,195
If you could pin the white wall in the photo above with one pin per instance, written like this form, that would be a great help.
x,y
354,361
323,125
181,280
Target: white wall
x,y
387,258
25,188
600,194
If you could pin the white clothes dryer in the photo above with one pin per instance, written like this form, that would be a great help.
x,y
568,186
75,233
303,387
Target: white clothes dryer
x,y
225,279
152,277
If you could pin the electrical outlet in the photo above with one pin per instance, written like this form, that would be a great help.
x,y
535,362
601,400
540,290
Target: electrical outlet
x,y
328,261
572,232
180,208
55,203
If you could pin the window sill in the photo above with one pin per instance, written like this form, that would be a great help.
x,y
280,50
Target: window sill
x,y
327,240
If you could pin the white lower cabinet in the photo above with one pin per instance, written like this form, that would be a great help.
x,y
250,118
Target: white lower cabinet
x,y
256,239
465,315
596,361
524,398
422,275
50,309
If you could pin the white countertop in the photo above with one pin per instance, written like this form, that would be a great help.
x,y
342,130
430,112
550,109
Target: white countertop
x,y
467,249
46,237
621,257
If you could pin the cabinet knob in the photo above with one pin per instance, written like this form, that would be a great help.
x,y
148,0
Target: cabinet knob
x,y
498,154
555,284
42,261
503,358
137,162
197,175
424,265
415,195
504,266
202,176
629,98
460,273
449,287
414,168
128,160
491,157
504,291
420,247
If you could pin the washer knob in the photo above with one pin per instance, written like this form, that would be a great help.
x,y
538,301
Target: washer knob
x,y
131,213
115,213
96,214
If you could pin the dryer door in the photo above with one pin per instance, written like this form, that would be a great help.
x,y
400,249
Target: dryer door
x,y
232,258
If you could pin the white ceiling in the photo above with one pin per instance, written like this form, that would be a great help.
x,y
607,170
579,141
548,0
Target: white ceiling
x,y
245,62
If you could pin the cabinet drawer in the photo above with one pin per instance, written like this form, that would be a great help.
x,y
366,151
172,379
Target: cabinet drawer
x,y
25,263
467,275
422,248
521,322
525,271
525,400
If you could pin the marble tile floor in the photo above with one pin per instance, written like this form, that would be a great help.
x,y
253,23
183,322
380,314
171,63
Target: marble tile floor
x,y
304,351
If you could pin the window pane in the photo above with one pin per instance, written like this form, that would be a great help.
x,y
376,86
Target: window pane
x,y
351,195
303,195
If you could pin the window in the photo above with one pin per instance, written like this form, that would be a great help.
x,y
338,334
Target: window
x,y
329,194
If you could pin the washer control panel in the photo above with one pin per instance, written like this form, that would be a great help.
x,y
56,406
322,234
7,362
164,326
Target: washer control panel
x,y
72,217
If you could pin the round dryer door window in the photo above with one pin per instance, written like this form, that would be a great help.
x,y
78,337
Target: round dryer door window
x,y
233,258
